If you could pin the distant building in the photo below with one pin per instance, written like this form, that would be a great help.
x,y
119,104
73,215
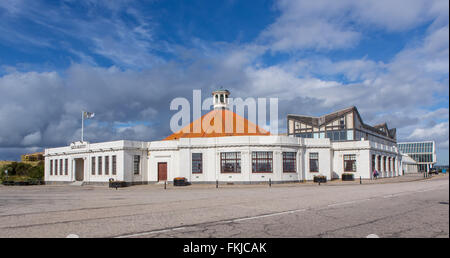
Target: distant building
x,y
409,165
424,153
37,156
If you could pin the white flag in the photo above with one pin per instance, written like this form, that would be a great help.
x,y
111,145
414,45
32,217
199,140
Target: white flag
x,y
88,115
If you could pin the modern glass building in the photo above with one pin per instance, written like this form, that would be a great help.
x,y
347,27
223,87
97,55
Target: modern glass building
x,y
424,153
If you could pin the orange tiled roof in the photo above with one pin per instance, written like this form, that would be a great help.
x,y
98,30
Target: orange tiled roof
x,y
229,124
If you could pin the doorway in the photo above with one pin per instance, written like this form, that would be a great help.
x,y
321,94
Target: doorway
x,y
162,171
79,169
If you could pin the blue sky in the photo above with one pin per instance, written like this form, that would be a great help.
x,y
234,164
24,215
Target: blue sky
x,y
126,60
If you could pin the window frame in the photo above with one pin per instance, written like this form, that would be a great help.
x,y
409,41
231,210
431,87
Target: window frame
x,y
352,160
136,169
237,162
114,165
286,159
310,159
100,165
93,170
66,167
258,161
60,167
107,165
200,160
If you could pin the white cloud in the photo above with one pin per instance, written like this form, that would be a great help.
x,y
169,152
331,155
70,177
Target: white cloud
x,y
439,133
324,25
32,139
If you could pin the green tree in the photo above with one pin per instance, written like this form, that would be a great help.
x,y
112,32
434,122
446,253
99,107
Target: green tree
x,y
37,172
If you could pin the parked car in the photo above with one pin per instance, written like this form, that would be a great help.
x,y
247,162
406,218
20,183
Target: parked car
x,y
434,171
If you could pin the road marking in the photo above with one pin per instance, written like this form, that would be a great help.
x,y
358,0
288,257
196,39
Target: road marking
x,y
269,215
372,236
425,190
72,236
152,232
341,203
218,222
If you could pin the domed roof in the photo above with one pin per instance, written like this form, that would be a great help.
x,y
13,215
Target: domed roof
x,y
219,123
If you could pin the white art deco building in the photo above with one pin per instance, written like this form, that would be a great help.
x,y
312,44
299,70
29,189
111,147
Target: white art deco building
x,y
223,146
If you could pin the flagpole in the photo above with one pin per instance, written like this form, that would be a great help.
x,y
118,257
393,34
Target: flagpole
x,y
82,125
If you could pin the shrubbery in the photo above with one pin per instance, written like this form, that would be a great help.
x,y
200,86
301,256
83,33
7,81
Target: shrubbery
x,y
22,171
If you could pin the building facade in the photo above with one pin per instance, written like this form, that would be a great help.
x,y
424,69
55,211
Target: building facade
x,y
424,153
222,146
37,156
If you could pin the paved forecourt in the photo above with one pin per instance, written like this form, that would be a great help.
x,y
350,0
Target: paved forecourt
x,y
395,208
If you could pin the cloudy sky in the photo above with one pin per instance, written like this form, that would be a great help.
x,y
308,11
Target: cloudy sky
x,y
126,60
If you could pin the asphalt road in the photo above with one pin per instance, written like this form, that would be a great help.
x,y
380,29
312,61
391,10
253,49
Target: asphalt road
x,y
403,209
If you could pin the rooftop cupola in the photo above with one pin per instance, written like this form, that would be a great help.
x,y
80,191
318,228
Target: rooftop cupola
x,y
220,99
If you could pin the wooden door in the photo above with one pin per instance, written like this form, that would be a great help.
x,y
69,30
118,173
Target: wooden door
x,y
162,171
79,169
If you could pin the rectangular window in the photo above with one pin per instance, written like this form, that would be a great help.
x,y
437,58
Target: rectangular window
x,y
93,166
114,165
289,162
230,162
100,165
342,135
60,167
197,163
350,135
336,136
137,163
314,162
66,167
350,163
384,163
106,165
262,162
51,167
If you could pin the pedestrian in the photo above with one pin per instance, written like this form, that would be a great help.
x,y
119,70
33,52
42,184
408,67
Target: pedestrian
x,y
375,173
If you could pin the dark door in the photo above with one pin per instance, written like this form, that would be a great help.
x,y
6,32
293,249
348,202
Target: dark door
x,y
162,171
79,169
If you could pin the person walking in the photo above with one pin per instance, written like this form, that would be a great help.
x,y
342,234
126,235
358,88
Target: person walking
x,y
375,173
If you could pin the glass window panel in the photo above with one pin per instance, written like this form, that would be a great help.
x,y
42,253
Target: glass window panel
x,y
93,166
114,165
106,165
136,164
314,162
335,135
99,165
230,162
262,161
350,135
197,163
